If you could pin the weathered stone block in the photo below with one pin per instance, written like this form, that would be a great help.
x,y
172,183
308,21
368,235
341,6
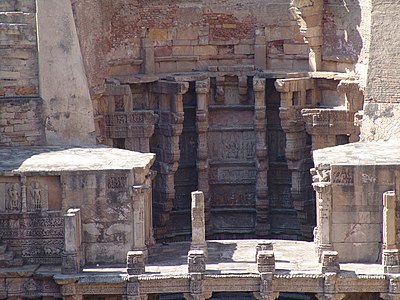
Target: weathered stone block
x,y
266,261
264,246
182,50
205,50
158,34
135,261
196,261
244,49
330,262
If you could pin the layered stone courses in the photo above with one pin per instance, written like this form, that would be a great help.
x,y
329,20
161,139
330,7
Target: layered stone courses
x,y
231,97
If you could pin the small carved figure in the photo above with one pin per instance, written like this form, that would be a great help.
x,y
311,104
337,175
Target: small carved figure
x,y
36,193
14,194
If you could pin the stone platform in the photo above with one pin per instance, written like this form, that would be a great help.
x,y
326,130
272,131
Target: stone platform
x,y
232,267
351,182
73,205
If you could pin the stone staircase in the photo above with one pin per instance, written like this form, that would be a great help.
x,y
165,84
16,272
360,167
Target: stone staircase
x,y
18,48
7,257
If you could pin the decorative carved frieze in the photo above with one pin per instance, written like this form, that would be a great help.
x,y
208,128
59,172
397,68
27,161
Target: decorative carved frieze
x,y
342,176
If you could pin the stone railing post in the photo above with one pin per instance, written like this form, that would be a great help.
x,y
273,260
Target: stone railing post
x,y
323,188
71,257
390,254
135,262
266,268
198,223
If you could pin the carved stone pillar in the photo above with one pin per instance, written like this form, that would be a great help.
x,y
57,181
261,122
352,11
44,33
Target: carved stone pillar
x,y
323,188
330,292
23,194
198,223
266,268
170,126
139,224
71,257
133,290
202,91
262,205
196,288
293,94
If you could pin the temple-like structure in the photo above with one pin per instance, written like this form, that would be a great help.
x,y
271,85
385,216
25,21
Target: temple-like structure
x,y
162,149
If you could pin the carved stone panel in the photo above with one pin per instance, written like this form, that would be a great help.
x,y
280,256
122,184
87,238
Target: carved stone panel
x,y
37,239
342,175
10,195
231,145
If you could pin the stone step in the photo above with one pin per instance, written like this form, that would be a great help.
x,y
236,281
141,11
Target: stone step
x,y
17,5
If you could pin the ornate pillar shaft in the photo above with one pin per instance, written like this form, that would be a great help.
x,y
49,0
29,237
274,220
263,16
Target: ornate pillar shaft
x,y
202,91
262,205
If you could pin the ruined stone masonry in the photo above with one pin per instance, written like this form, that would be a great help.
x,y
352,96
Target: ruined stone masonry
x,y
199,149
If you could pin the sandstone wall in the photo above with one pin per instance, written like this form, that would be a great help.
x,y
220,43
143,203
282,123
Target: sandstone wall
x,y
21,122
186,35
346,35
18,51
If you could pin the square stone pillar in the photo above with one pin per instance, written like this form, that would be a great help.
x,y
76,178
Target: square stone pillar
x,y
71,257
198,223
389,220
390,253
139,196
